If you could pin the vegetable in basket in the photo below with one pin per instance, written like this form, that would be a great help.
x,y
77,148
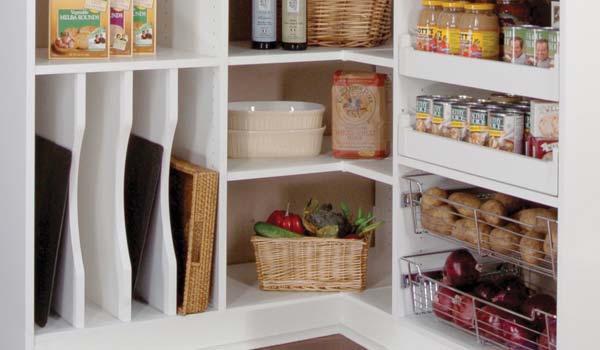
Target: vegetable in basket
x,y
321,221
286,220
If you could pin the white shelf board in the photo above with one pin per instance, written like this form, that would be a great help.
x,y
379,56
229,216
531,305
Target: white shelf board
x,y
498,76
249,169
382,56
509,173
241,53
165,58
380,170
243,290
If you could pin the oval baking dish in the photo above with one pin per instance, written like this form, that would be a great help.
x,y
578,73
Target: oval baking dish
x,y
275,115
275,143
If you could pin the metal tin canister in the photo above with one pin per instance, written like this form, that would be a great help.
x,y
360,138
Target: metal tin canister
x,y
424,113
459,125
514,44
442,116
478,126
506,130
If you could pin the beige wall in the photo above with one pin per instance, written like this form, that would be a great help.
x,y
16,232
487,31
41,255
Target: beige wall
x,y
252,201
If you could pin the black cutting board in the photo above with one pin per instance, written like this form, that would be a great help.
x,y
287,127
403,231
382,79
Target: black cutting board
x,y
52,169
142,175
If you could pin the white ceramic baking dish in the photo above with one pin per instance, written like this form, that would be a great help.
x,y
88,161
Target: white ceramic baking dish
x,y
275,143
275,115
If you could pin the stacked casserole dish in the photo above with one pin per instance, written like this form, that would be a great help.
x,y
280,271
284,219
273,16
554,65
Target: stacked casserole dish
x,y
277,129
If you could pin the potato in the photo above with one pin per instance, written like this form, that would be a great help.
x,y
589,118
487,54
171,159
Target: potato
x,y
465,230
511,204
494,207
469,200
554,235
529,217
439,219
428,201
504,240
532,245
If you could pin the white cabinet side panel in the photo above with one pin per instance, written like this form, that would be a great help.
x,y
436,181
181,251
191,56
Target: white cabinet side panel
x,y
102,224
60,117
155,118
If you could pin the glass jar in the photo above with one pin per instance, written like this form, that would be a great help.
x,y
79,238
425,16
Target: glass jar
x,y
426,26
447,33
479,32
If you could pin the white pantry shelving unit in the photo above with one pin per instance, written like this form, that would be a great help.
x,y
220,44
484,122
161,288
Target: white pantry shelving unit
x,y
178,98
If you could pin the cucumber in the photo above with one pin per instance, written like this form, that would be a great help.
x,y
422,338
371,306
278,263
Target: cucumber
x,y
271,231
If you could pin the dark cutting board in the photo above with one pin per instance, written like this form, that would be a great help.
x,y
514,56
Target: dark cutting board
x,y
52,169
142,175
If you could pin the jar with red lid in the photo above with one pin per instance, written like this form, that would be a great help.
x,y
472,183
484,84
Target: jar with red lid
x,y
511,13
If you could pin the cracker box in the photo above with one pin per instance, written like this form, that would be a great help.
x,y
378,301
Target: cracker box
x,y
121,28
544,120
144,26
542,148
78,29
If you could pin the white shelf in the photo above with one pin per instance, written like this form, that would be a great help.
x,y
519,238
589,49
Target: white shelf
x,y
165,58
243,290
482,74
241,53
506,172
380,170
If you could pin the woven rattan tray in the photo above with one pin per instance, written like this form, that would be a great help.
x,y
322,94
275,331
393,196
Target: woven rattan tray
x,y
193,201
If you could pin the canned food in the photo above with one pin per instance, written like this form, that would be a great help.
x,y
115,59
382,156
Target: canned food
x,y
505,98
478,126
506,130
514,44
462,97
442,116
424,113
459,125
483,101
541,46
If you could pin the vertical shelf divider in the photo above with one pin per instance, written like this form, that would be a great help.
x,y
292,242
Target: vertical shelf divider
x,y
155,118
102,214
61,119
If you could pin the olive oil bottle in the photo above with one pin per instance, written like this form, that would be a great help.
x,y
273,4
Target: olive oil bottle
x,y
294,24
264,24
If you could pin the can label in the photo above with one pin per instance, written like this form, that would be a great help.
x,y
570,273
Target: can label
x,y
424,117
514,45
479,44
459,125
541,46
442,116
478,127
506,132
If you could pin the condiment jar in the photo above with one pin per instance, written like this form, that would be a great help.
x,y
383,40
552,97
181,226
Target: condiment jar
x,y
447,33
427,25
479,32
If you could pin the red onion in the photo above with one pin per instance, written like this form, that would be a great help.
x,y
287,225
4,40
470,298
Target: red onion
x,y
513,293
461,269
485,290
490,321
518,334
443,303
542,302
543,339
464,312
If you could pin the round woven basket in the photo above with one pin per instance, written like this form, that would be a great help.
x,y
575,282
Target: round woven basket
x,y
349,23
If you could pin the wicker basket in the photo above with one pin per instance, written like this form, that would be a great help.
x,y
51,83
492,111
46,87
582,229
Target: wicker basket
x,y
193,200
311,264
349,23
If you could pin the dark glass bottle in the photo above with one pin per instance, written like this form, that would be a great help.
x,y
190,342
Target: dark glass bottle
x,y
264,24
293,24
